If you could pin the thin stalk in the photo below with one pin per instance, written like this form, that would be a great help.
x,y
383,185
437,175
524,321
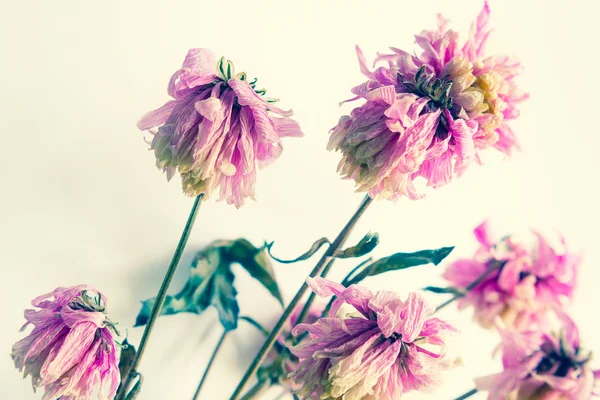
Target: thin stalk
x,y
210,363
467,395
259,388
311,297
493,267
337,243
160,299
133,393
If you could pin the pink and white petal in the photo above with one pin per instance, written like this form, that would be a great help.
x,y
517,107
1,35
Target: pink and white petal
x,y
462,272
287,127
483,234
437,171
246,96
414,313
70,352
210,108
362,62
73,317
386,305
384,94
157,117
324,287
546,258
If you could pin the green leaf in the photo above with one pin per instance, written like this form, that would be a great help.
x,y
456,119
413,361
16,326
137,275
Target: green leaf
x,y
224,298
211,282
313,249
402,261
256,261
365,246
443,290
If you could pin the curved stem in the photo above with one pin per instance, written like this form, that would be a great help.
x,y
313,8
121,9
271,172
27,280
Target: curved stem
x,y
350,275
210,363
317,270
493,267
467,395
160,299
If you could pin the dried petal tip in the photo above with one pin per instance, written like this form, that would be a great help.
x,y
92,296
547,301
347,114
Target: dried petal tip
x,y
522,284
427,116
218,129
390,347
71,350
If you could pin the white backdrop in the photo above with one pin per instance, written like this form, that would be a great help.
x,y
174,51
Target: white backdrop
x,y
82,202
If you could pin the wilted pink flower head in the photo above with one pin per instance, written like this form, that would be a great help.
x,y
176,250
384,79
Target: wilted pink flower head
x,y
71,350
542,366
391,347
217,130
522,285
428,115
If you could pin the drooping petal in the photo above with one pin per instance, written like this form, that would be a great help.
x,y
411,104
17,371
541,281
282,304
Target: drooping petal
x,y
414,314
157,117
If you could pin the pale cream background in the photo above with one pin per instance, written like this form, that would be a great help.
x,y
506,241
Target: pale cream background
x,y
82,202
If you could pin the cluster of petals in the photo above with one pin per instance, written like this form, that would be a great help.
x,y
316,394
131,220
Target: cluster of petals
x,y
71,350
428,115
217,130
521,284
388,348
542,366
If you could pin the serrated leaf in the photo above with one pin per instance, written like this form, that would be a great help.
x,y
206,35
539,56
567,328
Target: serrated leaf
x,y
443,290
402,261
257,263
365,246
305,256
211,282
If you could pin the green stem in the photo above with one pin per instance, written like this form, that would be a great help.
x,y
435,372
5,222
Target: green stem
x,y
210,363
493,267
467,395
160,299
259,388
133,393
312,296
276,331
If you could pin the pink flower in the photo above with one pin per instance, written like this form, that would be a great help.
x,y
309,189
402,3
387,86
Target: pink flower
x,y
217,129
428,115
390,347
523,285
542,366
71,350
